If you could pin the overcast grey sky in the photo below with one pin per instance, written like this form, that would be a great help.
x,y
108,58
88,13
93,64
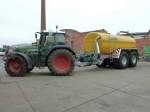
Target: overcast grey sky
x,y
19,19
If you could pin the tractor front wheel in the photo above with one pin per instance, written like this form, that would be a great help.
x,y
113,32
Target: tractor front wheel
x,y
16,66
61,62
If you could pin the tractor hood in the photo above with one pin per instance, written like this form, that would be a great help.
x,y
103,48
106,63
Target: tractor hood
x,y
22,48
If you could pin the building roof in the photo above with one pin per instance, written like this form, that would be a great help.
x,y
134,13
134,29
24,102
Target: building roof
x,y
139,33
136,35
69,30
101,30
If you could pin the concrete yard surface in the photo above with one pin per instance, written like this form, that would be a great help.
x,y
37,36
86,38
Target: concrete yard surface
x,y
88,89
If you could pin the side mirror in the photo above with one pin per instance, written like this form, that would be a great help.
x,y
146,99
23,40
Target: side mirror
x,y
36,38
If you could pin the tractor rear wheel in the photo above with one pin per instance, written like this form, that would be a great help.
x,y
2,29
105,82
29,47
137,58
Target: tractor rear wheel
x,y
16,66
61,62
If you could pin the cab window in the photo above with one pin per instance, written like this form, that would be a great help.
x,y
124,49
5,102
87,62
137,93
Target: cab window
x,y
50,39
60,38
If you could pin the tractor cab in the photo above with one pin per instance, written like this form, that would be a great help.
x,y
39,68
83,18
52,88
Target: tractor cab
x,y
46,41
50,38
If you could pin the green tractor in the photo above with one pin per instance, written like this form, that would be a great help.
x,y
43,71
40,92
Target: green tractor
x,y
50,50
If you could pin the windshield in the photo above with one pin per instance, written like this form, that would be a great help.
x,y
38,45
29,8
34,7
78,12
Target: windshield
x,y
50,38
55,38
60,38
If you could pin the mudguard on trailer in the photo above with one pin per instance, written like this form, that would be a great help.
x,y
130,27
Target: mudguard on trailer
x,y
116,52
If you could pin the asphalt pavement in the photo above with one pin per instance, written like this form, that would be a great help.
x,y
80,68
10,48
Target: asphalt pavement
x,y
88,89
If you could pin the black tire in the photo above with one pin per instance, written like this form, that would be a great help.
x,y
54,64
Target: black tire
x,y
133,58
104,64
16,66
123,61
100,66
30,69
61,62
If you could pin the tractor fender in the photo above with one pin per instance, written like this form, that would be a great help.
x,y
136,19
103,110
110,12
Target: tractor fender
x,y
25,57
62,47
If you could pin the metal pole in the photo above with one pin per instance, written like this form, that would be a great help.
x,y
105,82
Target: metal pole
x,y
43,15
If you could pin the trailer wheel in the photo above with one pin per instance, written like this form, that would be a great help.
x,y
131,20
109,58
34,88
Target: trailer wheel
x,y
16,66
133,58
61,62
123,61
104,64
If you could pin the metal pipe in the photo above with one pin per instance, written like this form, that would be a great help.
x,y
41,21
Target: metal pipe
x,y
98,51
